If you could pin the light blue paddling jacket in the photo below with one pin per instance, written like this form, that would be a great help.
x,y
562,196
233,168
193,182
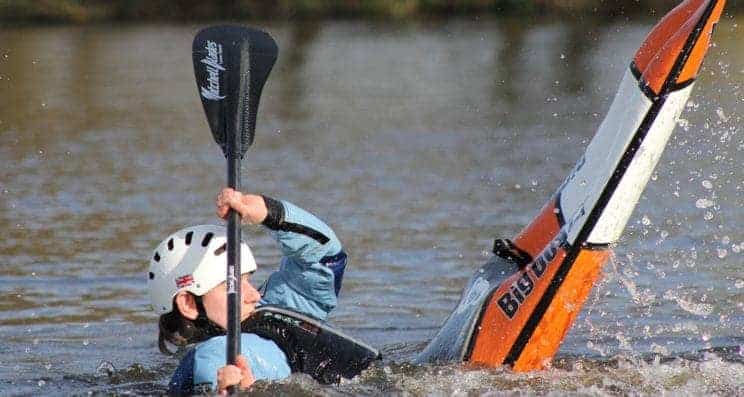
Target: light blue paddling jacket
x,y
308,281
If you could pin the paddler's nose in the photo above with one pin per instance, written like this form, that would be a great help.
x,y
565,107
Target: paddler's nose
x,y
250,294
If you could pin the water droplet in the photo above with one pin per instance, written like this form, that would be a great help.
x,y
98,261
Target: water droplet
x,y
563,56
86,342
41,383
659,349
708,216
645,220
105,368
704,203
721,115
683,123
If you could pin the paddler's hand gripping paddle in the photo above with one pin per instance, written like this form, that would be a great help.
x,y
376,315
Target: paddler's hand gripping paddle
x,y
231,65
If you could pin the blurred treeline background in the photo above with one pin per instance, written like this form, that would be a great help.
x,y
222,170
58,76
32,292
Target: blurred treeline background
x,y
83,11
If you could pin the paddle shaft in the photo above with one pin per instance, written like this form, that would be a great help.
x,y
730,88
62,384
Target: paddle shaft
x,y
231,65
233,256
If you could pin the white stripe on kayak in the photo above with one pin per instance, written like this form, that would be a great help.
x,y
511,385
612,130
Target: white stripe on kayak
x,y
582,188
611,223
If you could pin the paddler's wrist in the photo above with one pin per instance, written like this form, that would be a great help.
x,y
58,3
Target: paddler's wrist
x,y
252,208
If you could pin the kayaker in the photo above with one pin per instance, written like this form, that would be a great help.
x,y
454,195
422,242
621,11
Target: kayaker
x,y
187,288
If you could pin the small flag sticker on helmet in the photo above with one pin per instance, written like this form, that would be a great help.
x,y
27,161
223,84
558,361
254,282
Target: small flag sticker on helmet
x,y
184,281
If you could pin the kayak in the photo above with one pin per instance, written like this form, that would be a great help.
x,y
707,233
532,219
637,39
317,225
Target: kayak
x,y
519,306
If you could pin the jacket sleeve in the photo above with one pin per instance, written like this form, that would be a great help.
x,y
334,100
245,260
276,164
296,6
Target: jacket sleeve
x,y
312,264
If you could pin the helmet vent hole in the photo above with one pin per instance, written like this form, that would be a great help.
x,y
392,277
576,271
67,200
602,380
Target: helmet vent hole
x,y
170,245
156,257
221,250
189,235
152,275
207,239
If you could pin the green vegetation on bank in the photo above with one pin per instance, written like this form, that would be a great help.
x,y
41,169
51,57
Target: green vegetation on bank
x,y
80,11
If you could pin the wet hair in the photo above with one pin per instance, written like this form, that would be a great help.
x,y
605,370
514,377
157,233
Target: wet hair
x,y
180,331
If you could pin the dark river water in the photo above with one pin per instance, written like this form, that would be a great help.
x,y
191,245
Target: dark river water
x,y
418,142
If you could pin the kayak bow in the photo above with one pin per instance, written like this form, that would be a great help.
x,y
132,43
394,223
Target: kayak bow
x,y
519,306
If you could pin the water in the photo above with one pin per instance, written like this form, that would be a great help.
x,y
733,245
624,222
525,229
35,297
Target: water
x,y
418,142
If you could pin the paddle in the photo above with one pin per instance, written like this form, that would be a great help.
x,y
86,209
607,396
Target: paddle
x,y
231,65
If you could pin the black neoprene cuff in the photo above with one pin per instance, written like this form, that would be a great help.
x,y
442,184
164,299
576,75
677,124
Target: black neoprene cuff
x,y
275,215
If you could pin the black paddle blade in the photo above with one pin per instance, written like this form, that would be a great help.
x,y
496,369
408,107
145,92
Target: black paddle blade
x,y
231,64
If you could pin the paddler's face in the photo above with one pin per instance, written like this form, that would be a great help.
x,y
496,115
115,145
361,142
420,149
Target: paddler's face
x,y
215,301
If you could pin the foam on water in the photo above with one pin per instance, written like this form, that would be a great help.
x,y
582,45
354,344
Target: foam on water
x,y
707,374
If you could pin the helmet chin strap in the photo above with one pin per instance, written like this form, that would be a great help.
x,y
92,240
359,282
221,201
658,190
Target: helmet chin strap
x,y
206,327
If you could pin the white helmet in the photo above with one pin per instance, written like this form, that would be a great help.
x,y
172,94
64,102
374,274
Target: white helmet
x,y
194,260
